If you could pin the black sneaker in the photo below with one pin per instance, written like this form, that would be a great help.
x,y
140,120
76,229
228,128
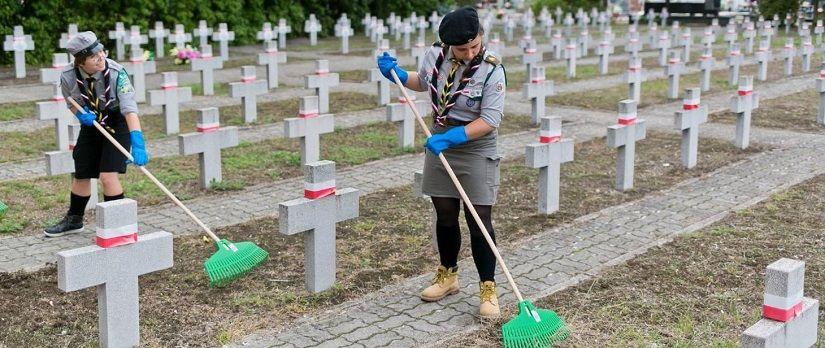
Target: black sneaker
x,y
69,224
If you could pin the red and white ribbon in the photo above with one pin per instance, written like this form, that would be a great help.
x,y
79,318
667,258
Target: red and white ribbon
x,y
271,50
673,61
626,119
248,79
549,136
308,113
58,98
782,308
322,72
169,86
822,74
735,53
530,50
705,57
744,92
112,237
208,127
319,189
691,104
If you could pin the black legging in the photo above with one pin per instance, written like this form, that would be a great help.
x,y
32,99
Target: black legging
x,y
448,235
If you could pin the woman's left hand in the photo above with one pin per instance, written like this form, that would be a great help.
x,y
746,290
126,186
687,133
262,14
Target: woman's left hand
x,y
440,142
141,157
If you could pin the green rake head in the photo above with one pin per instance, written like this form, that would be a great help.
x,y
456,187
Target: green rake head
x,y
3,209
533,328
232,261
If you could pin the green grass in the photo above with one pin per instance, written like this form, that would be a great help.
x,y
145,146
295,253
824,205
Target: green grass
x,y
16,111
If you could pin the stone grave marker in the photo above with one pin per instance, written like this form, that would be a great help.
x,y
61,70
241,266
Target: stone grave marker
x,y
742,104
207,64
316,215
788,54
308,126
604,50
19,43
547,155
623,137
570,56
383,86
223,36
56,110
820,87
159,33
536,90
283,29
763,57
687,121
202,32
119,34
180,37
634,76
734,61
400,113
312,26
170,96
706,63
207,142
62,162
138,67
248,90
270,58
322,80
674,70
52,75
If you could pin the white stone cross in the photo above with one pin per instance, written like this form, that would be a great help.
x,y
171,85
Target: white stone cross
x,y
686,42
248,90
114,272
383,86
604,50
400,112
584,43
309,125
55,109
536,90
420,49
266,34
223,36
322,80
789,318
19,42
52,75
708,37
763,57
344,32
706,63
68,35
788,54
750,36
207,64
731,35
180,37
623,137
687,121
270,58
556,44
135,39
158,34
548,155
570,56
634,76
207,142
742,104
530,57
202,32
316,214
673,70
119,34
312,26
170,96
283,29
663,45
422,25
807,53
138,67
735,60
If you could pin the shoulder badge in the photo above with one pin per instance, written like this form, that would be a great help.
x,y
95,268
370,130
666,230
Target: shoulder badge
x,y
491,59
123,83
438,44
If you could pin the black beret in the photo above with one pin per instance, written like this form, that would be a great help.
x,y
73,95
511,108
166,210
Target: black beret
x,y
459,27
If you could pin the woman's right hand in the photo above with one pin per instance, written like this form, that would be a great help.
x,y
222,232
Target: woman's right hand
x,y
86,117
387,63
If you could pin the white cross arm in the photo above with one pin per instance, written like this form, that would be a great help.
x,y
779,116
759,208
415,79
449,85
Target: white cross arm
x,y
193,143
81,268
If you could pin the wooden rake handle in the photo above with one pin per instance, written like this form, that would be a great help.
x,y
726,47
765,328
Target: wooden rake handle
x,y
461,192
150,176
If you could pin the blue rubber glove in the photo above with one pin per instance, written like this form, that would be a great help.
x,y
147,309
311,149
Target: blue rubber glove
x,y
387,63
440,142
139,148
86,117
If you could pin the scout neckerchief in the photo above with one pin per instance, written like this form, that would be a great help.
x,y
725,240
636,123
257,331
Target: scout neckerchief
x,y
442,106
89,94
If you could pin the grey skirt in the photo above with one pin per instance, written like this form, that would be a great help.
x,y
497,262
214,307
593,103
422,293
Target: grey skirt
x,y
476,164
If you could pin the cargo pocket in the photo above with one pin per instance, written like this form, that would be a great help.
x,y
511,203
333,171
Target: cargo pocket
x,y
493,170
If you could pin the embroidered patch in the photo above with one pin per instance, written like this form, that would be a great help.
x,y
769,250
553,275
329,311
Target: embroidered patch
x,y
470,102
123,83
499,87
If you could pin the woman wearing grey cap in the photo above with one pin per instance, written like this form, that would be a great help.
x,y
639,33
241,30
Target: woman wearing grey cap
x,y
466,84
102,87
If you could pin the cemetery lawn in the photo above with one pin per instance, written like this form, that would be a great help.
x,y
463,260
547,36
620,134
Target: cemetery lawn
x,y
16,111
389,242
703,289
655,91
796,112
16,146
37,203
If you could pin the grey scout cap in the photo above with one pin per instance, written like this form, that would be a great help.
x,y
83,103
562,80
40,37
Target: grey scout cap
x,y
84,44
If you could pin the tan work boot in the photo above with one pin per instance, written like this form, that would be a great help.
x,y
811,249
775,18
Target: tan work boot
x,y
488,307
445,283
